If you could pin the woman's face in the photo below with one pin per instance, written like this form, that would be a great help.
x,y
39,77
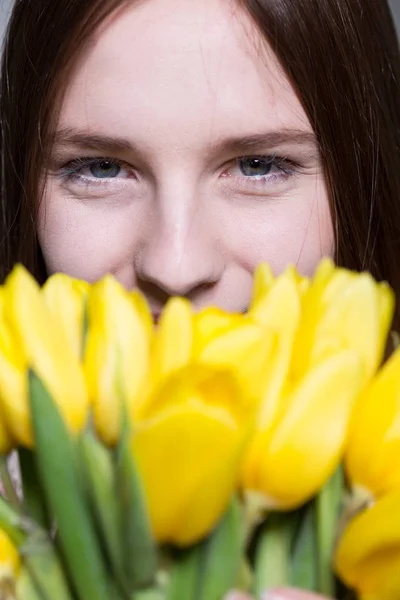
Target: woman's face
x,y
183,158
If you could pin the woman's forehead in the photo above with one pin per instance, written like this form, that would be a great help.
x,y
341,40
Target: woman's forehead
x,y
175,69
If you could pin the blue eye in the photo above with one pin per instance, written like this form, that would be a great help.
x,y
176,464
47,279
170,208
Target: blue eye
x,y
105,169
253,166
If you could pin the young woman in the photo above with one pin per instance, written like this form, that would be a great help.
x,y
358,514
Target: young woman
x,y
178,144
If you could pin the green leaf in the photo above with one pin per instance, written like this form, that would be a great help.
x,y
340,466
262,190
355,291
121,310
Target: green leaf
x,y
34,504
303,567
44,567
139,547
8,485
26,588
222,555
98,467
328,503
10,522
38,553
209,569
59,476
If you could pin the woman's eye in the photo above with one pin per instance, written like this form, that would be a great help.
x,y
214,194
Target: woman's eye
x,y
95,170
254,167
260,170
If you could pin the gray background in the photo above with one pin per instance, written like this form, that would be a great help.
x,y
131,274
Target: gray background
x,y
5,7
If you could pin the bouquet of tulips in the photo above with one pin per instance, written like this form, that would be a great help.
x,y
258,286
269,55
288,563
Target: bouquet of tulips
x,y
208,452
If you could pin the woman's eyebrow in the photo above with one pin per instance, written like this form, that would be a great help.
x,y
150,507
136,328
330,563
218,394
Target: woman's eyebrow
x,y
86,140
270,140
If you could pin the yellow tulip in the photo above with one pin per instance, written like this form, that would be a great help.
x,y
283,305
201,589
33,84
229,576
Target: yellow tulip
x,y
368,554
323,355
187,441
295,451
34,339
373,448
66,298
354,320
117,354
336,309
10,565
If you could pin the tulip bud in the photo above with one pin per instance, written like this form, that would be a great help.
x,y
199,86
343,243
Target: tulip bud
x,y
33,338
117,355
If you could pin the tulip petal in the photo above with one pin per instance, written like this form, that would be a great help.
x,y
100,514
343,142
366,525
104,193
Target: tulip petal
x,y
353,320
373,448
368,555
212,322
187,451
45,348
280,308
246,349
117,355
10,562
174,338
308,440
143,310
66,299
262,281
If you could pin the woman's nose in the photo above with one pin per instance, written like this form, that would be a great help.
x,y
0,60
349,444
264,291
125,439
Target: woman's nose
x,y
179,259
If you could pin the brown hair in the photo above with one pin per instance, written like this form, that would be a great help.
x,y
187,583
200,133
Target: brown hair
x,y
342,57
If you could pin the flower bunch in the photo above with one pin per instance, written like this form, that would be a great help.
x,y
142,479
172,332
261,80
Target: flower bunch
x,y
203,453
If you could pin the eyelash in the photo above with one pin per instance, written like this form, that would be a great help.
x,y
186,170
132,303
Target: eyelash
x,y
71,172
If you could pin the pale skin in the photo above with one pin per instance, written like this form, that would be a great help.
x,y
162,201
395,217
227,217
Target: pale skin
x,y
183,159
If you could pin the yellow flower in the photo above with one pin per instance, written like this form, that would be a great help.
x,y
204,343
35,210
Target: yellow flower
x,y
323,355
187,442
368,554
66,298
373,448
32,338
10,565
336,309
294,452
210,337
117,354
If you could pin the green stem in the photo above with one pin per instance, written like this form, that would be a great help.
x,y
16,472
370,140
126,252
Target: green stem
x,y
148,594
8,485
33,499
304,550
327,505
184,574
37,551
10,521
272,566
